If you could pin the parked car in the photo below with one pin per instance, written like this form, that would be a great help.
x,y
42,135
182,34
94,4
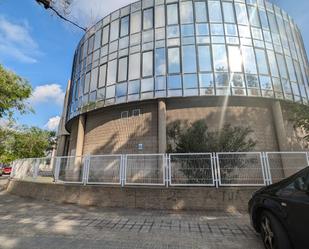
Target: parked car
x,y
280,213
7,170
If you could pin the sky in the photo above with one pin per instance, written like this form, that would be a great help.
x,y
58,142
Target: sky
x,y
37,45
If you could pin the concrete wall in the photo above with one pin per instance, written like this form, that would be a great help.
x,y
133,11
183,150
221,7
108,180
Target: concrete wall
x,y
193,198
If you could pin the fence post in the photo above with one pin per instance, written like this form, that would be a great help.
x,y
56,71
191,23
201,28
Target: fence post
x,y
123,165
267,168
166,169
36,168
264,169
86,170
215,164
57,169
307,154
13,169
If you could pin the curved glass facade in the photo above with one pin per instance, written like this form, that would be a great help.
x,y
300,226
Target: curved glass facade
x,y
172,48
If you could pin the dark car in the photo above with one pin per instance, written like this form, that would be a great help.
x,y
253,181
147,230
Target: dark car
x,y
280,213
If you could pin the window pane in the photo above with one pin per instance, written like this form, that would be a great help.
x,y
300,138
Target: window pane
x,y
122,69
261,61
111,72
220,60
136,22
282,67
102,77
124,26
264,20
94,79
172,14
173,60
235,59
110,92
97,40
206,80
272,63
121,90
174,82
134,66
200,11
114,30
202,29
190,81
160,83
147,64
231,30
214,11
204,58
133,87
148,19
253,16
228,12
87,83
147,85
160,16
186,12
189,59
241,13
160,61
90,44
249,60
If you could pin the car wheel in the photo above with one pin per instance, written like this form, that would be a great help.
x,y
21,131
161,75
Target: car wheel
x,y
273,234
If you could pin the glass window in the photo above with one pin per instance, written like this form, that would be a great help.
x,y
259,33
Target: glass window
x,y
148,19
121,90
97,40
202,29
204,58
134,66
261,61
219,58
241,13
264,20
282,67
301,183
189,59
172,14
290,68
160,16
216,29
253,16
160,61
228,12
147,63
147,85
136,22
173,60
190,81
111,72
214,9
222,79
235,59
160,83
174,82
110,92
186,12
90,44
94,79
114,34
124,31
173,31
206,80
134,87
122,69
200,11
102,77
272,63
272,22
231,30
87,83
187,30
249,60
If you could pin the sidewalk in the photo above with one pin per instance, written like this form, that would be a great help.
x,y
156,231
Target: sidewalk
x,y
29,224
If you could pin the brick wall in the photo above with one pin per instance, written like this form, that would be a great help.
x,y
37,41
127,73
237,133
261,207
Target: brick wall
x,y
107,132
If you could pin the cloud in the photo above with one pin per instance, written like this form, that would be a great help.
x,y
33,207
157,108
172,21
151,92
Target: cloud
x,y
50,93
52,123
87,13
16,42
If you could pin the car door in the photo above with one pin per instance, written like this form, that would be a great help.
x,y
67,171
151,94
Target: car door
x,y
295,203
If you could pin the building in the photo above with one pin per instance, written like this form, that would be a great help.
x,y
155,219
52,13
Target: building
x,y
157,61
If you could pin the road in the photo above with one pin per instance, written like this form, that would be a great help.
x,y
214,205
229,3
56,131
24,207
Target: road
x,y
31,224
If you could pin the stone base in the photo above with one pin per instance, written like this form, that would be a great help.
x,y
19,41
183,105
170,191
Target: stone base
x,y
173,198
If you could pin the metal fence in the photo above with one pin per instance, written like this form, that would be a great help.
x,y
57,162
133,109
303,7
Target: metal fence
x,y
186,169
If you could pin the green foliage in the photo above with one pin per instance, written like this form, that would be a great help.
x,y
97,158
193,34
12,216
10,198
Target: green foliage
x,y
184,138
13,92
299,115
197,138
24,143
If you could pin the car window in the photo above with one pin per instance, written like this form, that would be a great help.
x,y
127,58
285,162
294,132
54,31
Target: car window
x,y
301,183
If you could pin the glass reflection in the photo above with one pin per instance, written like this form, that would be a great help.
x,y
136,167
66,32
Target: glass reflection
x,y
219,58
173,60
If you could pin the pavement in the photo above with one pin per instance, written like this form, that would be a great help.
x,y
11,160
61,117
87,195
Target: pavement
x,y
32,224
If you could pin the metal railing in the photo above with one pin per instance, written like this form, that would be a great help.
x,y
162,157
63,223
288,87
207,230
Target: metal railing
x,y
185,169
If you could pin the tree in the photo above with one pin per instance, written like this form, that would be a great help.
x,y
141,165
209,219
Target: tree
x,y
14,90
197,138
25,143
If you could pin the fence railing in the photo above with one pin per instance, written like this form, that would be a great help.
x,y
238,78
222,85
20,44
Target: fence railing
x,y
185,169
